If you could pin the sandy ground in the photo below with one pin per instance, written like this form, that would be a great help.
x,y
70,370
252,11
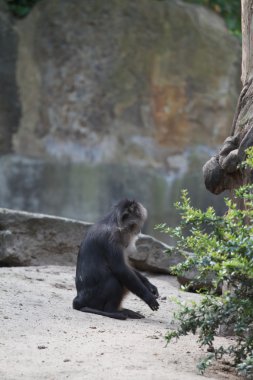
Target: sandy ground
x,y
42,337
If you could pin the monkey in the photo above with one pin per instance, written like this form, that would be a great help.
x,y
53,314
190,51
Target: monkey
x,y
103,275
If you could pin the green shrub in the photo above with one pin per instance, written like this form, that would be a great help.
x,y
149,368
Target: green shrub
x,y
223,246
230,10
20,8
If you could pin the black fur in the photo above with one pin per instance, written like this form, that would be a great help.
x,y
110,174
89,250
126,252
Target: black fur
x,y
102,274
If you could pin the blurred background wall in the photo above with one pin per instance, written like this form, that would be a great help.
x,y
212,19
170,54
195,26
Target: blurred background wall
x,y
102,100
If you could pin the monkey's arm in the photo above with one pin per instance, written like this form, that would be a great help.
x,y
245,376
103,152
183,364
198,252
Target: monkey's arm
x,y
152,288
128,277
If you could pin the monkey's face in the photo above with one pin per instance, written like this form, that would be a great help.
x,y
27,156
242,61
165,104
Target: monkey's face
x,y
132,215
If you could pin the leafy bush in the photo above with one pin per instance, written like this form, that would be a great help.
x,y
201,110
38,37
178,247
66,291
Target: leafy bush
x,y
20,8
230,10
223,246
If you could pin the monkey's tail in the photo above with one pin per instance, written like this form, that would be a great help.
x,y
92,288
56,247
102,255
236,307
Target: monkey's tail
x,y
115,314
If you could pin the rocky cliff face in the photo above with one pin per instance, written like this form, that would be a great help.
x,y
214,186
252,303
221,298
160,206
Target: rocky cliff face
x,y
9,99
135,81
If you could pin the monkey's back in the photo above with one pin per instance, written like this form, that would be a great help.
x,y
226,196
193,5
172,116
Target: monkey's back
x,y
92,264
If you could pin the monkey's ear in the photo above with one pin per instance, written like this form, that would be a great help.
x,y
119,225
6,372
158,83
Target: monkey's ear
x,y
124,216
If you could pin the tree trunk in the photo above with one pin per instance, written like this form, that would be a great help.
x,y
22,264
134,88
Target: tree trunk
x,y
221,172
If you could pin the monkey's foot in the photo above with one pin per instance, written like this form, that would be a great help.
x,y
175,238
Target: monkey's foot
x,y
132,314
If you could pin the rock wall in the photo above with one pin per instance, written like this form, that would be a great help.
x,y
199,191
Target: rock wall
x,y
136,81
9,98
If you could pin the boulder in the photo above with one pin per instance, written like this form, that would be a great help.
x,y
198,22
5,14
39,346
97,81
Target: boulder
x,y
152,255
37,239
193,283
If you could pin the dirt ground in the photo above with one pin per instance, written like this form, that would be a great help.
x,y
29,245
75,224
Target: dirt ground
x,y
42,337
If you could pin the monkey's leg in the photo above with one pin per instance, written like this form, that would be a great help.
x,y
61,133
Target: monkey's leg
x,y
107,302
116,314
132,314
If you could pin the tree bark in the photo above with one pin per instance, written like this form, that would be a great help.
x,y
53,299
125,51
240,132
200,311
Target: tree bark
x,y
222,172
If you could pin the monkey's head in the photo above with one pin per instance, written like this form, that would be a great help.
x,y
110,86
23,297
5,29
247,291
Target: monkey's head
x,y
131,215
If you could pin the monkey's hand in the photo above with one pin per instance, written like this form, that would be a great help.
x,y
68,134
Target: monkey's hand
x,y
153,289
151,301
